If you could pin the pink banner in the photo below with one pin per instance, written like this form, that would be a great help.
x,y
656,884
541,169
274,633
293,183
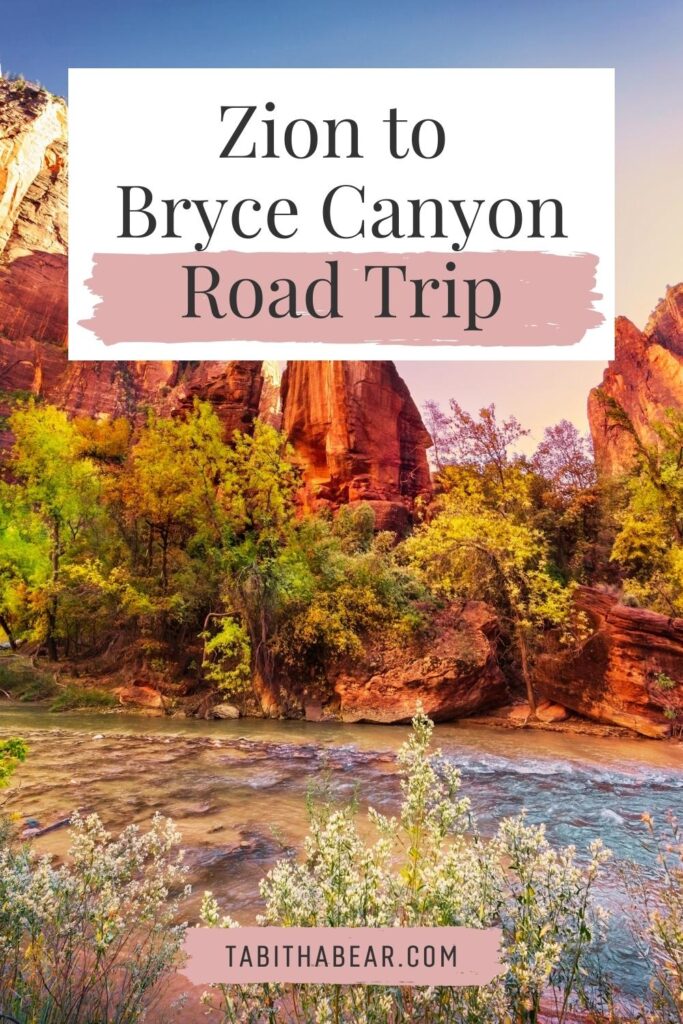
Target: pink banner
x,y
500,298
343,956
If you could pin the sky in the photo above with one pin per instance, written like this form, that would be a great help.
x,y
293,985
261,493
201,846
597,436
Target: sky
x,y
641,40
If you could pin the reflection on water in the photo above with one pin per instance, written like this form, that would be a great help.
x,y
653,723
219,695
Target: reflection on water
x,y
237,789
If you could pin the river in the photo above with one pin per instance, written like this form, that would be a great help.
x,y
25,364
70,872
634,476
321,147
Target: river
x,y
237,789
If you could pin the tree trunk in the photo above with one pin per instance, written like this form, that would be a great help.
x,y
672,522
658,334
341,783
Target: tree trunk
x,y
150,548
526,675
4,624
51,638
164,559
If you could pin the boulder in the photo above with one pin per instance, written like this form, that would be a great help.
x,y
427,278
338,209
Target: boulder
x,y
518,713
139,696
629,672
452,672
548,712
225,711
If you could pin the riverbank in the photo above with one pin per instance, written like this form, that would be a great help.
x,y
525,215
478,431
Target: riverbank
x,y
237,790
61,690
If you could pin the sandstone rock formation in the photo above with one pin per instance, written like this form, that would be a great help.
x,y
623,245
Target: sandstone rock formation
x,y
33,291
233,388
453,673
270,404
139,696
354,425
619,675
644,379
359,435
33,213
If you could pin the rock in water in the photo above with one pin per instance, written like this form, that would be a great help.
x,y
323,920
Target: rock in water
x,y
225,711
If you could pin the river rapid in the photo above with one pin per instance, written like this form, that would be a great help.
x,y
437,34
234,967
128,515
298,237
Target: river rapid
x,y
237,789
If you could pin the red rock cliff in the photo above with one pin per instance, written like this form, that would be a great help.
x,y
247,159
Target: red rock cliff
x,y
359,435
33,290
354,424
644,379
33,213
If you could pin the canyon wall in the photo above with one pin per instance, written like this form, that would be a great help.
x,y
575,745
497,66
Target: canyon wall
x,y
359,435
644,379
33,292
33,214
355,428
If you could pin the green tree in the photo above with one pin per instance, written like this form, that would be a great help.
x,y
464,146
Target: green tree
x,y
24,562
257,502
12,752
468,551
344,585
58,486
648,545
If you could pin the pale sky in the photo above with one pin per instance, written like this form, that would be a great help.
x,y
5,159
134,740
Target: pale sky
x,y
538,394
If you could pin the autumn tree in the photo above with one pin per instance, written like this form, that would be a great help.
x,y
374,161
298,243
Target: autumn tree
x,y
648,545
61,489
468,551
568,499
565,458
169,486
483,442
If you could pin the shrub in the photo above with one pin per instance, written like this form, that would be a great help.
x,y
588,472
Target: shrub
x,y
430,866
22,681
655,893
76,698
12,752
90,941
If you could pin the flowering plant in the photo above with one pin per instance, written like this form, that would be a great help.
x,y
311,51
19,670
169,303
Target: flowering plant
x,y
90,940
429,866
655,896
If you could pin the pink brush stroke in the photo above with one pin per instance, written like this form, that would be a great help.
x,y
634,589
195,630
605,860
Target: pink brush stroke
x,y
547,299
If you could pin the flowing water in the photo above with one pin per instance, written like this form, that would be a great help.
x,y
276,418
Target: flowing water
x,y
237,789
